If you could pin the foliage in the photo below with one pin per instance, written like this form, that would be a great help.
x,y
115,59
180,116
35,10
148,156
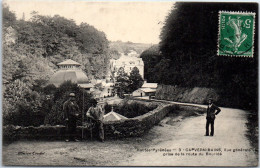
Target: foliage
x,y
57,38
55,115
29,60
136,80
125,83
130,110
21,105
122,82
151,57
8,16
126,47
189,59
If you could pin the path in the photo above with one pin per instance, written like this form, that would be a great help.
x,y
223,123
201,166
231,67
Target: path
x,y
171,133
230,130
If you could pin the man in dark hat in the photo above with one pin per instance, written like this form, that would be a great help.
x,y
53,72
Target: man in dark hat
x,y
96,114
212,110
71,114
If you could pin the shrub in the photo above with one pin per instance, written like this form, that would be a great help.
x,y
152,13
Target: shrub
x,y
21,105
130,110
55,115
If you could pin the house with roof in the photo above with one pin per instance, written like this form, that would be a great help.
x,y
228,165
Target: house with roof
x,y
70,70
150,85
147,89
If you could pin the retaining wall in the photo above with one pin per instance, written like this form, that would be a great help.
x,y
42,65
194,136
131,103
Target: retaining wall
x,y
132,127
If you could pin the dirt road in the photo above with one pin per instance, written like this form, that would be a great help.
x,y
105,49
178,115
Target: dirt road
x,y
230,130
174,132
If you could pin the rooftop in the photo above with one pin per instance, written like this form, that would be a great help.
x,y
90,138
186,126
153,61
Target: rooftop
x,y
148,90
75,76
150,85
69,62
113,116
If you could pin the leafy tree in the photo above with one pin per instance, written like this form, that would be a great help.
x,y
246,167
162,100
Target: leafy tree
x,y
151,57
122,82
135,79
8,17
91,40
61,94
21,105
189,50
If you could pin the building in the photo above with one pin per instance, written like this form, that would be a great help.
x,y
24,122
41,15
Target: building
x,y
128,62
147,89
144,92
150,85
70,70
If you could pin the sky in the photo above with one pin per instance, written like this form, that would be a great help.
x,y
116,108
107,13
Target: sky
x,y
135,21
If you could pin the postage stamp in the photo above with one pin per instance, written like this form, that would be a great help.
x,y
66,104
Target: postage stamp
x,y
236,34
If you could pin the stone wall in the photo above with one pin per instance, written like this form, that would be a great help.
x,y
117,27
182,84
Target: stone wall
x,y
117,129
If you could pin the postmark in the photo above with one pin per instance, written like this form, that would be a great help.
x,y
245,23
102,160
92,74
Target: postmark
x,y
236,34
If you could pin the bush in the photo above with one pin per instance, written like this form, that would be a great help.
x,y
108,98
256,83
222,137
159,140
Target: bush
x,y
21,105
55,115
130,110
24,107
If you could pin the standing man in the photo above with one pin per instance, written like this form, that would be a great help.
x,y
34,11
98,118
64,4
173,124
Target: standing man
x,y
71,114
212,110
96,114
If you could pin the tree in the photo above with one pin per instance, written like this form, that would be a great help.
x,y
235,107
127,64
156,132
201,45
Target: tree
x,y
122,82
91,40
135,79
61,94
22,105
37,45
8,17
189,40
151,57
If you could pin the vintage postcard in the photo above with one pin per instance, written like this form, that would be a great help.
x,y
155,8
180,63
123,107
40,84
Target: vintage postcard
x,y
129,83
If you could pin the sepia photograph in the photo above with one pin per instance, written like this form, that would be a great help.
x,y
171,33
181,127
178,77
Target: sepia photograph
x,y
129,83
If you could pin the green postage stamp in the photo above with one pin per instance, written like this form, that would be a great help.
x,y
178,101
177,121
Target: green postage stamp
x,y
236,34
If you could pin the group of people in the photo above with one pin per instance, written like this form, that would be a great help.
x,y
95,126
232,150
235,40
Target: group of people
x,y
95,116
71,113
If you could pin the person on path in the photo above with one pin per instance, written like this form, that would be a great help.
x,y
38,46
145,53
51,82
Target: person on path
x,y
96,114
212,110
71,114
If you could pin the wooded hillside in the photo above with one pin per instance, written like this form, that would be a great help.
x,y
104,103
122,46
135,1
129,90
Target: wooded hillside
x,y
31,51
188,51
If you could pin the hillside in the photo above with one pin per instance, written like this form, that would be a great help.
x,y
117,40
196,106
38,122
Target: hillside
x,y
126,47
31,51
188,58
